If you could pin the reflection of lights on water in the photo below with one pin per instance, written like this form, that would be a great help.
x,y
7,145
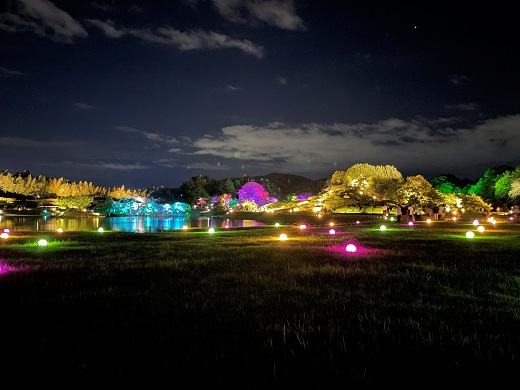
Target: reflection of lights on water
x,y
42,242
283,237
351,248
470,234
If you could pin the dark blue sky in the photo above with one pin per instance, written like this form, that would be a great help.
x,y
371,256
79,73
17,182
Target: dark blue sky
x,y
151,93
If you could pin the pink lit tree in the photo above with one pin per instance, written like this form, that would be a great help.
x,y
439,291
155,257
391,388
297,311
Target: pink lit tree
x,y
253,192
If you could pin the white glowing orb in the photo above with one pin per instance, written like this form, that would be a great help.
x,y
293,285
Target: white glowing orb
x,y
101,230
184,227
350,248
357,222
276,224
480,229
475,222
6,230
410,223
42,242
332,231
428,220
211,230
391,218
4,235
383,228
331,224
60,230
303,227
470,234
283,237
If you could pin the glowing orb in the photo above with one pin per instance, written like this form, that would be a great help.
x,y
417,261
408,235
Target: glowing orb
x,y
211,230
511,218
185,227
470,234
42,242
351,248
391,218
276,224
101,230
4,235
331,224
6,230
382,228
303,226
60,230
428,220
454,219
480,229
475,222
410,223
227,226
283,237
358,222
332,231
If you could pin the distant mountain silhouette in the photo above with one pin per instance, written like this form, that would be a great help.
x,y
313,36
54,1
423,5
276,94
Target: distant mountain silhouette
x,y
280,185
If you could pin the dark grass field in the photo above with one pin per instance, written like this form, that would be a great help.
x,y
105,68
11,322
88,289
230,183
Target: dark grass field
x,y
415,306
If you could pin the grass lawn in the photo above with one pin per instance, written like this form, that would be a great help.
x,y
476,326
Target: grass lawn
x,y
417,306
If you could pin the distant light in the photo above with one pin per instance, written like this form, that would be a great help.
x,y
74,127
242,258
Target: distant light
x,y
211,230
185,227
429,220
391,218
475,222
331,223
303,226
42,242
4,235
6,230
332,231
357,222
480,229
276,224
283,237
60,230
410,223
351,248
101,230
227,226
470,234
382,228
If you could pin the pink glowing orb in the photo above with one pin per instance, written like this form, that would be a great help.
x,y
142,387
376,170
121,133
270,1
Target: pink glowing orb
x,y
410,223
227,226
6,230
351,248
358,222
332,231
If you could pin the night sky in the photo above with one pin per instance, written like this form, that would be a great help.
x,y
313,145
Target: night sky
x,y
152,93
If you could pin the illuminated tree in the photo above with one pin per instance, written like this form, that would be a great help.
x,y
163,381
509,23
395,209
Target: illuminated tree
x,y
417,190
253,192
80,202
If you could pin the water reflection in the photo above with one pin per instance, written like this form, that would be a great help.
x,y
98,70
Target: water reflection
x,y
126,224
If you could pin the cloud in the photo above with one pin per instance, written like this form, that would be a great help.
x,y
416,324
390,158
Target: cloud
x,y
464,107
109,165
167,162
215,166
459,79
314,147
102,7
155,137
232,88
83,106
278,13
42,18
281,81
10,72
184,41
18,142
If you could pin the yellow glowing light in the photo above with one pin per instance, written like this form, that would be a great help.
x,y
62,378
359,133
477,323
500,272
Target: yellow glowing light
x,y
331,223
303,226
60,230
454,219
429,220
480,229
4,235
283,237
470,234
184,227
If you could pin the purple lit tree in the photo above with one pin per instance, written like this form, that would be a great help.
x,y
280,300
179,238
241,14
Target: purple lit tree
x,y
253,192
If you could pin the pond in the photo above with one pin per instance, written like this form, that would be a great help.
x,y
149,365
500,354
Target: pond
x,y
134,224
